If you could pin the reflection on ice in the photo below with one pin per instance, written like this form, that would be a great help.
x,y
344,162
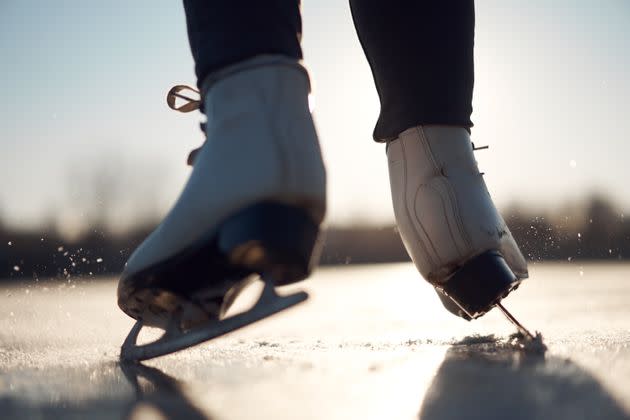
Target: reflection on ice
x,y
372,342
486,378
158,396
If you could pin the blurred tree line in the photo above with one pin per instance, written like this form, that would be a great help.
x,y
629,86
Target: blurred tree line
x,y
591,230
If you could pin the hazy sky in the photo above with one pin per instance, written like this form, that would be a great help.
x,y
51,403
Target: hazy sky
x,y
84,84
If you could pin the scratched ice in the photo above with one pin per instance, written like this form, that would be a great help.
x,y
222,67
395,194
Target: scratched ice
x,y
372,342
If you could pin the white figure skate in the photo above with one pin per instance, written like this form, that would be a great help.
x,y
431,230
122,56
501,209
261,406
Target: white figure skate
x,y
448,222
176,338
252,206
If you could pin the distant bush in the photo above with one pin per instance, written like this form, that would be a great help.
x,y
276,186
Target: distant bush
x,y
593,230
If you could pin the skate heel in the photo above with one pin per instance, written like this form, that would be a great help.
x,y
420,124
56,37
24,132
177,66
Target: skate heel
x,y
480,284
270,238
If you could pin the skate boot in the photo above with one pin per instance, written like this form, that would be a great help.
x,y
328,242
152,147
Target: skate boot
x,y
252,206
448,222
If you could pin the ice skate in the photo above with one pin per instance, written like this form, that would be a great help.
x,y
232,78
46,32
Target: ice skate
x,y
252,207
176,338
448,222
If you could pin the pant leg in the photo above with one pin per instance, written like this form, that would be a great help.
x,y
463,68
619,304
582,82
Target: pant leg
x,y
224,32
421,55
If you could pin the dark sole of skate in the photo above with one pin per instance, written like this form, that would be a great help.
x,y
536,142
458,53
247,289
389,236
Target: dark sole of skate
x,y
175,339
272,239
480,284
276,239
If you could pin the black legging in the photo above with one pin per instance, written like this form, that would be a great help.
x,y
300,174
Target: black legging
x,y
420,51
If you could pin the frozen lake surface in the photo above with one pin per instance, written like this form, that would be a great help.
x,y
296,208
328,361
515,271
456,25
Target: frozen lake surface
x,y
372,342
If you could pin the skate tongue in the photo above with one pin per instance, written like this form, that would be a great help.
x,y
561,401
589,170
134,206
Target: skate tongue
x,y
521,329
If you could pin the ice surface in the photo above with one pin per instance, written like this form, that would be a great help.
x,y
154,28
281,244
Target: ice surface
x,y
373,342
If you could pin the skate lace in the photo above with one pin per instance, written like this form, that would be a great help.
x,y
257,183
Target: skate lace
x,y
475,148
189,104
480,147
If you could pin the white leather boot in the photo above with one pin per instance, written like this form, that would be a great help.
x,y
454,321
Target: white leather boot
x,y
448,222
253,203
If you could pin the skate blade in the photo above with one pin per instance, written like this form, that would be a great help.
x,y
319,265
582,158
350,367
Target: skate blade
x,y
174,339
521,329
